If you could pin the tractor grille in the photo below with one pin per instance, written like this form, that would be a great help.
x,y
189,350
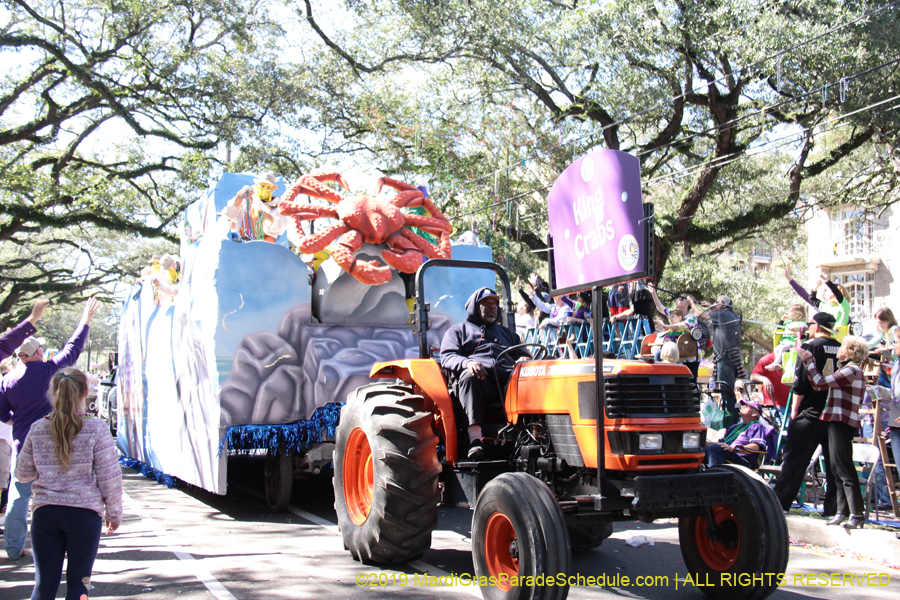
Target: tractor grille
x,y
650,396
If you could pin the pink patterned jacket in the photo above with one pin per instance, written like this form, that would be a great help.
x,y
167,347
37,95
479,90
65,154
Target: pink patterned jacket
x,y
93,481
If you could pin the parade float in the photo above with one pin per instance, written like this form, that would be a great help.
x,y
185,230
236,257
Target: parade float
x,y
242,345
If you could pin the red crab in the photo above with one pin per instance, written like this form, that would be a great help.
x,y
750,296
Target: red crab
x,y
365,219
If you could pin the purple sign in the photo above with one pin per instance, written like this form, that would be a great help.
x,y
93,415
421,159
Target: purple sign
x,y
597,221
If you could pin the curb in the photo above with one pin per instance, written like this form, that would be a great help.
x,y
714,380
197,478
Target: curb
x,y
875,543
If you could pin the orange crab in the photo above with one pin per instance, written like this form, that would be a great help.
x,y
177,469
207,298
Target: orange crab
x,y
365,219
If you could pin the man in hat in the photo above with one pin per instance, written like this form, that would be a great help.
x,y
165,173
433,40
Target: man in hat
x,y
470,350
744,442
24,399
259,203
806,430
14,337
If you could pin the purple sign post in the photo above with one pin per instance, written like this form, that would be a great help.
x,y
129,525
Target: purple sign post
x,y
597,222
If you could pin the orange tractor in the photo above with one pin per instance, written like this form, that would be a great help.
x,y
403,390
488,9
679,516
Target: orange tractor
x,y
544,494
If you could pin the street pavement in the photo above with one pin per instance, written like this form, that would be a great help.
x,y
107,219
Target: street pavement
x,y
187,543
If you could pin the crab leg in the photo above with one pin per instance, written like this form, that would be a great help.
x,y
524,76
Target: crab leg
x,y
402,254
429,223
366,271
408,197
400,186
428,249
312,185
308,212
317,241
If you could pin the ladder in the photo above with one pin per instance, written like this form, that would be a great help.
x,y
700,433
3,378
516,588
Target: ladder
x,y
632,336
887,459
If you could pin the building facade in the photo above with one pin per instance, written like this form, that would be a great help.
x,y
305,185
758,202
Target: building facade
x,y
857,249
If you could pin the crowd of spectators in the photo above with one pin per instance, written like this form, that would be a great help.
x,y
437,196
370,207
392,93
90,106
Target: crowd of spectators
x,y
819,381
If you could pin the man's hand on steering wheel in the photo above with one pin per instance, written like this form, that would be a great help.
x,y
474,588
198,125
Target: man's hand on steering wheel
x,y
476,369
506,357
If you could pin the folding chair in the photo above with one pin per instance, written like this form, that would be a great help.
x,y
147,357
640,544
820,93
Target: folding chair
x,y
868,457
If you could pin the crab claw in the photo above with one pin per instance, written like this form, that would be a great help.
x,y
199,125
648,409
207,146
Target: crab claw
x,y
402,254
335,177
364,271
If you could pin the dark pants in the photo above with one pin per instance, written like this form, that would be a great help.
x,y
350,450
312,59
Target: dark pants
x,y
58,531
726,375
475,393
804,435
840,442
717,455
694,367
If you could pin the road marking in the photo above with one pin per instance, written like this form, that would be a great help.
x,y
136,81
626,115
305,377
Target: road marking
x,y
212,584
418,565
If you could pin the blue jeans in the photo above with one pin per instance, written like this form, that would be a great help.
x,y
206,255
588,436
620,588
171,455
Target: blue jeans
x,y
58,532
716,455
16,527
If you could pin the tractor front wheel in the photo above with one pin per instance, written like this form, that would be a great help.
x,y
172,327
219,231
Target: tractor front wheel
x,y
744,550
518,536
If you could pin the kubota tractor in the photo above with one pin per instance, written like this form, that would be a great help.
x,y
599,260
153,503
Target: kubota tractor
x,y
543,493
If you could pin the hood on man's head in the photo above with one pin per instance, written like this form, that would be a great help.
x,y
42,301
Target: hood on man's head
x,y
472,303
30,346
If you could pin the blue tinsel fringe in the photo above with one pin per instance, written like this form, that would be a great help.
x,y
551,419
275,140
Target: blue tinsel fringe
x,y
148,471
294,437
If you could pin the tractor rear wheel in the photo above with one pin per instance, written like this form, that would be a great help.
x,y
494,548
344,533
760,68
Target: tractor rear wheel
x,y
518,533
743,554
386,474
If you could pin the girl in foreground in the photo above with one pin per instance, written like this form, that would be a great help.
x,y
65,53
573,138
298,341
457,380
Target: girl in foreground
x,y
72,461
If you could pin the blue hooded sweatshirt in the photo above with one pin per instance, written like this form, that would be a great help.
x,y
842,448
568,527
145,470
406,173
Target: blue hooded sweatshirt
x,y
474,340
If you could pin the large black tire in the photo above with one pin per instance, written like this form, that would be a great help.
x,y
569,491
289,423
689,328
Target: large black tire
x,y
279,480
746,563
587,532
518,531
386,474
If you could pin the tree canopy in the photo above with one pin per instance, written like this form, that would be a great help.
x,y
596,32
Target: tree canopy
x,y
735,108
110,120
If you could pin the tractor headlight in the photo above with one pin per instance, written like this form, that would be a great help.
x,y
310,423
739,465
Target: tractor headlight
x,y
651,441
690,440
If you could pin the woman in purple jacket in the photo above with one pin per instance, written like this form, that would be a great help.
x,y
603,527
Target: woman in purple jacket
x,y
77,482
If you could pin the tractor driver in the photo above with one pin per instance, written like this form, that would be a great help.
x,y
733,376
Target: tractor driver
x,y
470,350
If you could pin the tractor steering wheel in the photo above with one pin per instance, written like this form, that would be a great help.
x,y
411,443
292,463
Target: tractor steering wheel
x,y
504,357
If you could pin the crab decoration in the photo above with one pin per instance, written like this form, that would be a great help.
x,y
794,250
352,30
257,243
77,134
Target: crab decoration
x,y
366,219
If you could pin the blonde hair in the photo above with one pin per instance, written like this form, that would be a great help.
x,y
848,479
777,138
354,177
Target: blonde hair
x,y
67,390
669,353
797,309
856,349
